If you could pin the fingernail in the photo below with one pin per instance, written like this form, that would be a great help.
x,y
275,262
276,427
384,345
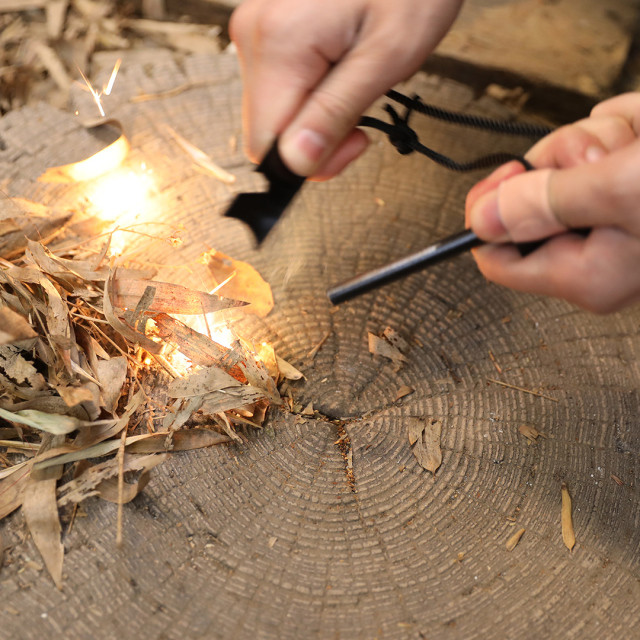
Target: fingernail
x,y
593,154
303,151
485,220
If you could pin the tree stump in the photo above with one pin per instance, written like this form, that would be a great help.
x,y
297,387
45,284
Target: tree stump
x,y
275,538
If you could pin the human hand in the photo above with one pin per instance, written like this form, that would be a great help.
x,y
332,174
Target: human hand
x,y
312,67
587,175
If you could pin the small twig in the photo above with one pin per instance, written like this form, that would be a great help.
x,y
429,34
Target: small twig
x,y
123,438
170,93
18,444
312,354
73,518
513,386
495,363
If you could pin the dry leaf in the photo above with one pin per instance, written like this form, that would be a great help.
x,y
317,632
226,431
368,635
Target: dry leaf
x,y
180,441
11,487
109,489
40,510
73,396
50,422
380,347
287,370
19,369
395,339
13,326
201,382
568,535
241,282
235,398
308,410
65,454
424,438
514,539
85,485
112,375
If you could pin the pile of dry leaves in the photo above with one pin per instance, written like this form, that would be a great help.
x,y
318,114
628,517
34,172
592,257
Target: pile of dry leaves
x,y
101,378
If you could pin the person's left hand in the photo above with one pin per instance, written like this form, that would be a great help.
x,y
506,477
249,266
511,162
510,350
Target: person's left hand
x,y
587,175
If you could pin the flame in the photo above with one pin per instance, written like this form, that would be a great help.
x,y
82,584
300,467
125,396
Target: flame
x,y
122,197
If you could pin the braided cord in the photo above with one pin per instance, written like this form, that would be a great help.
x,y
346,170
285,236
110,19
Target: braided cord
x,y
406,140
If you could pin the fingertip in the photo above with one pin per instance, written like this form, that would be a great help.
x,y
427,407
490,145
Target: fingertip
x,y
503,172
353,147
485,220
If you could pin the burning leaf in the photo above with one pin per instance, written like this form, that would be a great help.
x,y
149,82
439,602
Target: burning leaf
x,y
109,158
41,512
381,347
241,282
11,487
121,327
168,298
256,375
200,349
287,370
568,535
424,438
514,539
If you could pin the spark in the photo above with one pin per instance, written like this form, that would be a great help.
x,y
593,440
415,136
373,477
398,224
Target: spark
x,y
94,93
106,89
112,79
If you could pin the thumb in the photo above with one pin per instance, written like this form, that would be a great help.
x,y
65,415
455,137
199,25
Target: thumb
x,y
333,109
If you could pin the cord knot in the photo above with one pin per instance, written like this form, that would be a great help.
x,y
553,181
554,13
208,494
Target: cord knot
x,y
402,136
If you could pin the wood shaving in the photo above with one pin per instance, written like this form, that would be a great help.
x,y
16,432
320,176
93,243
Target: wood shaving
x,y
512,542
530,433
568,534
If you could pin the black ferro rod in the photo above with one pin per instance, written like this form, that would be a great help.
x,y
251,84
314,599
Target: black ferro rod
x,y
447,248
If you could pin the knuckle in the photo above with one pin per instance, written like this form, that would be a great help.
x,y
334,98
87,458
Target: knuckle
x,y
336,108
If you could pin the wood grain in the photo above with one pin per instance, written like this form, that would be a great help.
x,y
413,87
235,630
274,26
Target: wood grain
x,y
270,539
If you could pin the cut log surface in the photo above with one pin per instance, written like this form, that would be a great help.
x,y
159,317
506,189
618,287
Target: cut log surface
x,y
273,538
581,45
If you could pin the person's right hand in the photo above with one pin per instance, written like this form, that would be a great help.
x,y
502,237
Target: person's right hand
x,y
312,67
587,175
